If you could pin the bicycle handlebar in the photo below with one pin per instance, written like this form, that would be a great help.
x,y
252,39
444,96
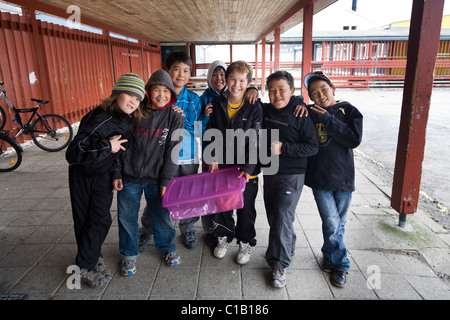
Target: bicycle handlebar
x,y
3,91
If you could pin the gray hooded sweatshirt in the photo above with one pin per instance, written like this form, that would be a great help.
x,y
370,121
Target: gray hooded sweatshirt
x,y
149,155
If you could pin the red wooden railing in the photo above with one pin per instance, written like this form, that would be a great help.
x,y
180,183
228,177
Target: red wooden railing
x,y
357,64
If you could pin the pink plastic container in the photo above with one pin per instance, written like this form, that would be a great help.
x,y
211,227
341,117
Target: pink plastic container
x,y
204,193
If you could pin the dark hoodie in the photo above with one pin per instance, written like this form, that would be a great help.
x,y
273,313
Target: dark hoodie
x,y
248,117
297,134
90,150
339,131
149,155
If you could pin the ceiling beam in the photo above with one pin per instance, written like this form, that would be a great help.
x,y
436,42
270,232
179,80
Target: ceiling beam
x,y
289,14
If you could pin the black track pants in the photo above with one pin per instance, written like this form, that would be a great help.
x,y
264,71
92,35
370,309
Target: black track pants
x,y
281,195
91,198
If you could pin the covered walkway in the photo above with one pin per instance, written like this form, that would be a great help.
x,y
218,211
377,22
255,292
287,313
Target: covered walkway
x,y
74,70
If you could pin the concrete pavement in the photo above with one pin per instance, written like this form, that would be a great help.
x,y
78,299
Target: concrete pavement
x,y
37,244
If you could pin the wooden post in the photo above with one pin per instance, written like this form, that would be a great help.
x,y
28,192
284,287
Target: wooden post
x,y
256,65
231,52
307,45
263,66
423,44
277,49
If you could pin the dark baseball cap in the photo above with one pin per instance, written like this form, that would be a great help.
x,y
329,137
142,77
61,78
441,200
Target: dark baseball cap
x,y
313,76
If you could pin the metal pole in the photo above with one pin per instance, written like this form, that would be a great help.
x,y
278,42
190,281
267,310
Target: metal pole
x,y
402,220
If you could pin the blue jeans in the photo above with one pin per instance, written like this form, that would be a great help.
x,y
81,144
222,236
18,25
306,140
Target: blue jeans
x,y
128,203
333,207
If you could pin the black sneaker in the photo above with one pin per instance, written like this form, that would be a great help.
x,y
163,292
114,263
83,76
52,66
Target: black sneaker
x,y
325,265
189,240
144,241
338,278
210,240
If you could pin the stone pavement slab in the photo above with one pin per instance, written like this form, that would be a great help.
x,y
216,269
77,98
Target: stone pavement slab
x,y
37,244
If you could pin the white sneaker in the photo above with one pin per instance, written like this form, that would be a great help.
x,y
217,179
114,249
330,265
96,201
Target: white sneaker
x,y
243,256
278,278
221,248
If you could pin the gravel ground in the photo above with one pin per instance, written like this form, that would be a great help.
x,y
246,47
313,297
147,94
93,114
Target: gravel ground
x,y
429,206
381,109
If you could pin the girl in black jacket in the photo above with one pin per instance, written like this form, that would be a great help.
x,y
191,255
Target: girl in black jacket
x,y
101,137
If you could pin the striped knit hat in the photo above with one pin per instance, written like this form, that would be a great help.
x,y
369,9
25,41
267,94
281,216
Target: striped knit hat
x,y
131,84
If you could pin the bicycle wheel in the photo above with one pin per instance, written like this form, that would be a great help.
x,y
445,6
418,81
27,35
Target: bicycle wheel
x,y
10,155
51,132
2,118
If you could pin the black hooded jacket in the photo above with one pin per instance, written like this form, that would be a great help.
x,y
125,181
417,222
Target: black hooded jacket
x,y
339,131
297,134
90,150
248,117
151,155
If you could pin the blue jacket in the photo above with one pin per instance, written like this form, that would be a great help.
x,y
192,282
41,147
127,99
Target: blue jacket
x,y
207,97
192,108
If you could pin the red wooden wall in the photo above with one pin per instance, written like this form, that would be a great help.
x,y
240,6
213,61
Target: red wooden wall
x,y
73,69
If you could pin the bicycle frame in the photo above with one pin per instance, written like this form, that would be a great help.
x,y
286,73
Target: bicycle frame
x,y
17,117
43,128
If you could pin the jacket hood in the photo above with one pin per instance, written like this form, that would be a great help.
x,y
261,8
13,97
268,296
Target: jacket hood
x,y
212,67
161,77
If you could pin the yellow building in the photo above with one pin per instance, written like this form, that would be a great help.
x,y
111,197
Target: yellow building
x,y
405,24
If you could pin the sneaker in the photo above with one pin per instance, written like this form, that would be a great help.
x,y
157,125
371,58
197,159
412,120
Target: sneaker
x,y
338,278
210,240
144,240
243,256
92,278
101,267
221,249
128,267
278,278
325,265
172,259
189,240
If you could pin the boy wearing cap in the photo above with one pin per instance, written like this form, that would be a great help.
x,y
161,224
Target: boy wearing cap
x,y
147,167
331,173
102,137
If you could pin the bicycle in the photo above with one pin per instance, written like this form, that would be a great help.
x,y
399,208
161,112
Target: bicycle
x,y
10,153
50,132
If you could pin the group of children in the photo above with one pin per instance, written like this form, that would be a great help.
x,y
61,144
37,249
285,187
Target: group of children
x,y
128,143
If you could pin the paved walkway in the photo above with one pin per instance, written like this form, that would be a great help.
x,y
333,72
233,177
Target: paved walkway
x,y
37,245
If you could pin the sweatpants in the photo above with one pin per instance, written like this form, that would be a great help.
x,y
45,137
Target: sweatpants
x,y
244,230
281,195
91,198
186,225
